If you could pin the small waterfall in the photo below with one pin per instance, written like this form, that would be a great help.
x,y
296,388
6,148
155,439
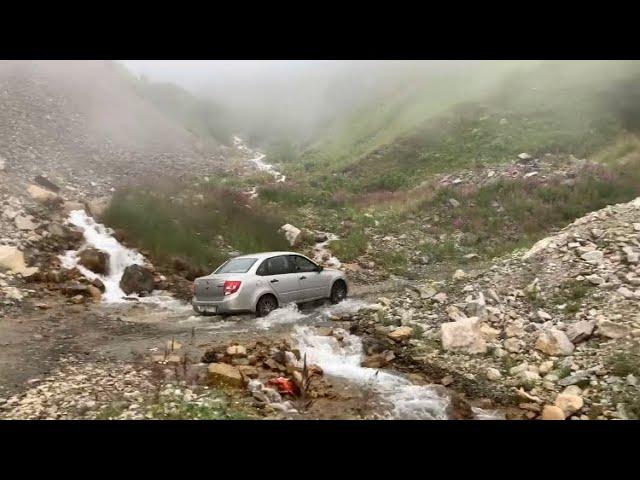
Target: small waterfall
x,y
258,160
100,237
321,250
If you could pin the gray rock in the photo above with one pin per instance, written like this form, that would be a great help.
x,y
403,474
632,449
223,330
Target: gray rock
x,y
427,291
580,331
579,378
25,223
595,279
513,345
463,335
626,293
95,260
633,257
610,329
554,342
593,257
137,279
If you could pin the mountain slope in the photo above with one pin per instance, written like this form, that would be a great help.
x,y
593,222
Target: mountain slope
x,y
559,319
399,140
81,122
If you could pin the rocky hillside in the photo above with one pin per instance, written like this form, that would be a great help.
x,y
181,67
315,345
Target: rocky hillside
x,y
71,134
554,330
81,124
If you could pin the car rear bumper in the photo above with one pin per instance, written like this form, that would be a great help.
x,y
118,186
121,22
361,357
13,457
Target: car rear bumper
x,y
227,305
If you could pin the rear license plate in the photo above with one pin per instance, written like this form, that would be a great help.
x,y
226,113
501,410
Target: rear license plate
x,y
210,309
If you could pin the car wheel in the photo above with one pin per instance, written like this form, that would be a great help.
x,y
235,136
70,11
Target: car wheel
x,y
338,292
266,305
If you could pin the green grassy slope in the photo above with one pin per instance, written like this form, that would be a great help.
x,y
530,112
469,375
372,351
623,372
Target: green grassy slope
x,y
568,107
420,96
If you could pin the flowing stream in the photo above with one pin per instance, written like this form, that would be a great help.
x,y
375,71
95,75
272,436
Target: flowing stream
x,y
342,358
257,159
339,356
322,254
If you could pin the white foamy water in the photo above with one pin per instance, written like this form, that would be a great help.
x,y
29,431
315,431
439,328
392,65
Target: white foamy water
x,y
281,316
101,238
321,250
343,358
290,313
265,167
344,308
482,414
165,301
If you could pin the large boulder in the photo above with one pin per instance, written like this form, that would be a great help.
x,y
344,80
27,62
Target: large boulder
x,y
594,257
222,373
554,342
464,335
95,260
70,206
609,329
292,234
25,222
97,206
551,412
137,279
569,403
12,260
43,196
401,334
580,331
538,247
46,183
95,293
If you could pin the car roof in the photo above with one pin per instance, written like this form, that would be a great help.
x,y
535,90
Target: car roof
x,y
263,255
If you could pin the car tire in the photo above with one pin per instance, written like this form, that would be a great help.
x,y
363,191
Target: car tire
x,y
266,305
338,292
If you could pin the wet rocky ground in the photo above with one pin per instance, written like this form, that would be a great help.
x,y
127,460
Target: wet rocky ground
x,y
153,358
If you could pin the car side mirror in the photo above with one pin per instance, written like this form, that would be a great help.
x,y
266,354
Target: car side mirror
x,y
319,268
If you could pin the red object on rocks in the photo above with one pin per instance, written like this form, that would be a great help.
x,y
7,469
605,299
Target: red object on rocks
x,y
284,385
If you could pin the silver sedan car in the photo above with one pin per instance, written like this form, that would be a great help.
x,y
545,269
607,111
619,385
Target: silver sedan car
x,y
263,282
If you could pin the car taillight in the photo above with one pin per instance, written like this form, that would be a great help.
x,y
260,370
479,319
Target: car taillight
x,y
193,288
231,286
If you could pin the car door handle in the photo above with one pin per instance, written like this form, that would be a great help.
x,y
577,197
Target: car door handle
x,y
275,280
302,278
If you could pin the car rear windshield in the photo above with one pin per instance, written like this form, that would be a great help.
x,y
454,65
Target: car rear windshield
x,y
237,265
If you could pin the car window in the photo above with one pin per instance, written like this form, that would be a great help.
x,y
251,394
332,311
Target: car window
x,y
236,265
275,266
262,269
302,264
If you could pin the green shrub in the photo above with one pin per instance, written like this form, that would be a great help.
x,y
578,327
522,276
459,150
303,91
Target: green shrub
x,y
622,364
395,262
185,221
350,247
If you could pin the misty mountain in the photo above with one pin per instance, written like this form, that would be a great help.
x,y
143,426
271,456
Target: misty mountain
x,y
443,119
83,120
